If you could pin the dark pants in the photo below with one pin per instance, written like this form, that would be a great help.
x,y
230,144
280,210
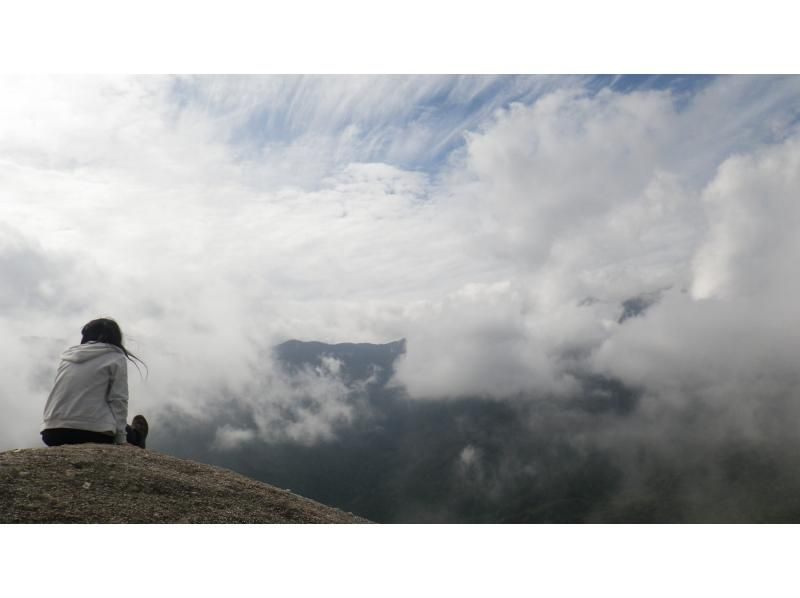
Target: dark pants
x,y
59,436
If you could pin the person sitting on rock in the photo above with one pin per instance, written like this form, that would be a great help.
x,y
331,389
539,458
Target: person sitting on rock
x,y
89,400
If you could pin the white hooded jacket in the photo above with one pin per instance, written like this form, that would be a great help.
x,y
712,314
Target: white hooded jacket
x,y
90,391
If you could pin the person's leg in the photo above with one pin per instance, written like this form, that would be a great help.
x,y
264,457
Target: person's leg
x,y
59,436
137,431
131,435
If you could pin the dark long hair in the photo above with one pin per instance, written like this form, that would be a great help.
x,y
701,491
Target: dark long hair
x,y
106,330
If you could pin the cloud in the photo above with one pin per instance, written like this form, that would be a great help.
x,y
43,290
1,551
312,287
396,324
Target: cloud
x,y
228,438
570,200
311,125
305,407
729,342
40,280
475,216
752,208
585,202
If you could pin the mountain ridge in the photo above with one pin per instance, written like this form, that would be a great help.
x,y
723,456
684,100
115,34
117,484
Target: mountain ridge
x,y
358,361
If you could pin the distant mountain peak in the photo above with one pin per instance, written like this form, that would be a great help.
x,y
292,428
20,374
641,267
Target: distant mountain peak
x,y
636,306
360,361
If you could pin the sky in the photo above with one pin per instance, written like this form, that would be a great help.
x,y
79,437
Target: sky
x,y
621,36
497,223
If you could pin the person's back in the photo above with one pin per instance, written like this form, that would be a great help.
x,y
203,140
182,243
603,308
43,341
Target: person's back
x,y
90,391
89,400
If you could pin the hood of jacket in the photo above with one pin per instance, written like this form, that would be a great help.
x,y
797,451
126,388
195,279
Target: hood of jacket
x,y
87,351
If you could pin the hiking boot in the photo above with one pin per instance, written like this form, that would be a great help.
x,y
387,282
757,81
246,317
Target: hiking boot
x,y
139,424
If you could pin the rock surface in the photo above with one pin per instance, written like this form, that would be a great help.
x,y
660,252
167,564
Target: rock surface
x,y
94,483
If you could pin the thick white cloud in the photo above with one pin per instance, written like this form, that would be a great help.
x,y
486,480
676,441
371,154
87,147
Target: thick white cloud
x,y
584,197
214,217
306,407
732,342
753,207
570,200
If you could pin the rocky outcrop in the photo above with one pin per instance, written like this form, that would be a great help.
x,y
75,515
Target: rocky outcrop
x,y
93,483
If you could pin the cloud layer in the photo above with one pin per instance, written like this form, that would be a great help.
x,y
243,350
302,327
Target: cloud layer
x,y
496,223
